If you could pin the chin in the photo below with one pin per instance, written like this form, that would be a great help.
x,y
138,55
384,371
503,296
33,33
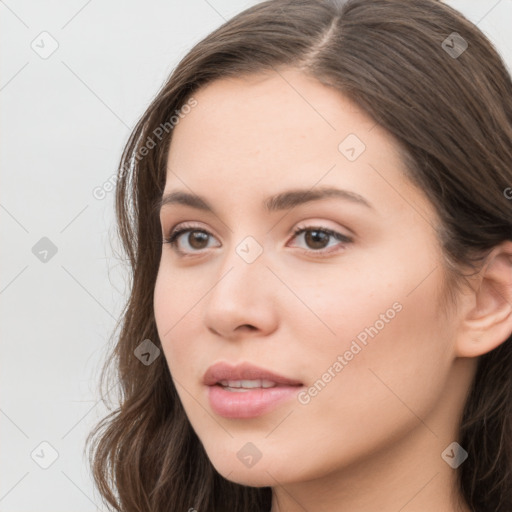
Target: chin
x,y
260,474
250,477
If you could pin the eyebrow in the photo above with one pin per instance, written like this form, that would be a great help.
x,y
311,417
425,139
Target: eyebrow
x,y
282,201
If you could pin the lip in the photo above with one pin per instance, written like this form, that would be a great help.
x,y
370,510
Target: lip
x,y
244,371
251,403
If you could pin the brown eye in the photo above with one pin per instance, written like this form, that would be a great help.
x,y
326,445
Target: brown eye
x,y
196,240
317,239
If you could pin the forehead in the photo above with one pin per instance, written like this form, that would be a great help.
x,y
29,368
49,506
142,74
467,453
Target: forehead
x,y
277,129
282,116
282,109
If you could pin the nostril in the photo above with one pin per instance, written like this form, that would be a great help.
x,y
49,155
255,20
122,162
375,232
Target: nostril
x,y
244,327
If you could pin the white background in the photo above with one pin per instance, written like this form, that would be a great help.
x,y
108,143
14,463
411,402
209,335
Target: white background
x,y
65,120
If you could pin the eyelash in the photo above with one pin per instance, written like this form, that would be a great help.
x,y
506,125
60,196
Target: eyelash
x,y
171,239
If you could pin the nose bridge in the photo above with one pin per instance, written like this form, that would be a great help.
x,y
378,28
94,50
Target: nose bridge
x,y
242,268
241,292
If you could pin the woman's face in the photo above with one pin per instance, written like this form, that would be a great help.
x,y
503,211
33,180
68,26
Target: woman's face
x,y
350,323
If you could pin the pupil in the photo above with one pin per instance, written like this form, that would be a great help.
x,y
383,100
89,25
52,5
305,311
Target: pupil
x,y
196,236
315,237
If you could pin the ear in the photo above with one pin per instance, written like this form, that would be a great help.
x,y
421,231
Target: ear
x,y
486,320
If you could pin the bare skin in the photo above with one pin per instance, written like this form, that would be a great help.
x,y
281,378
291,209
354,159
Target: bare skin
x,y
371,437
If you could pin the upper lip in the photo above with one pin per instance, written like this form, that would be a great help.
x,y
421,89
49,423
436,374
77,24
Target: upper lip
x,y
244,371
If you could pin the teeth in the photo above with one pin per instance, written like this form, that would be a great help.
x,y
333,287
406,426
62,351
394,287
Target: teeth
x,y
248,384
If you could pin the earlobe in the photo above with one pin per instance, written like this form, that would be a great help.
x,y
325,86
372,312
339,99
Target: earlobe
x,y
487,323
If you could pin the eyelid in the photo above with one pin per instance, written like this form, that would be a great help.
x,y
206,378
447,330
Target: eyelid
x,y
179,230
184,227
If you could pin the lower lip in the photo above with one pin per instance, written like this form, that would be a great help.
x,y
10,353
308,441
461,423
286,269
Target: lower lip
x,y
248,404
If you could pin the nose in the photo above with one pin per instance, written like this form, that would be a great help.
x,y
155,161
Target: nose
x,y
242,300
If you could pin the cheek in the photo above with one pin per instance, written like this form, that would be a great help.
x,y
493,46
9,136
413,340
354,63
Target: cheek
x,y
176,299
352,300
391,353
377,336
176,315
381,386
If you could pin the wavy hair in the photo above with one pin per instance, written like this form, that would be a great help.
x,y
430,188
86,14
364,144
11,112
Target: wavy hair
x,y
450,111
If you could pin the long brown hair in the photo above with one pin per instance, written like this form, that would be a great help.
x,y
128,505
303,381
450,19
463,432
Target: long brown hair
x,y
446,98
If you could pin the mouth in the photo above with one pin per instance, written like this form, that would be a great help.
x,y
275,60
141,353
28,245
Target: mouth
x,y
245,376
238,386
245,391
